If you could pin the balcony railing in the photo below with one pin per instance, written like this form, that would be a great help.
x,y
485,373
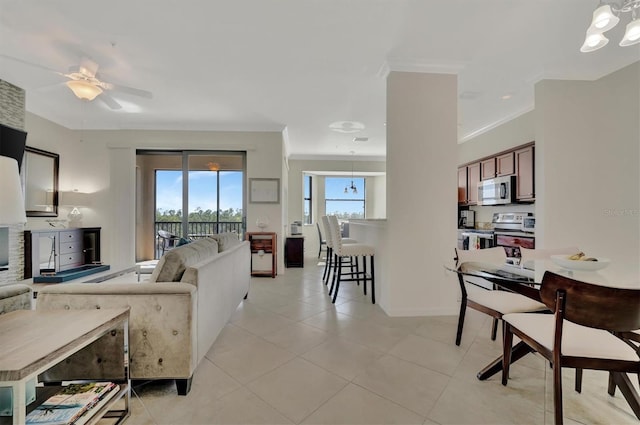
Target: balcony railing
x,y
196,230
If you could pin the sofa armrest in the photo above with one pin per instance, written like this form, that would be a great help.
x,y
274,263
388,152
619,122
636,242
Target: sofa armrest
x,y
162,327
15,297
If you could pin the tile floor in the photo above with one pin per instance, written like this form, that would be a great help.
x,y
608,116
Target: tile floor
x,y
290,356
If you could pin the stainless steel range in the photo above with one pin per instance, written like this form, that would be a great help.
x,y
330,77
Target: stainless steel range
x,y
509,233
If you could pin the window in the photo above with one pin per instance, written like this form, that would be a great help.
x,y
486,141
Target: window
x,y
308,216
196,194
344,205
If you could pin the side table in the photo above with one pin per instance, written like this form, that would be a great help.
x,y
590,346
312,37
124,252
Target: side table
x,y
35,340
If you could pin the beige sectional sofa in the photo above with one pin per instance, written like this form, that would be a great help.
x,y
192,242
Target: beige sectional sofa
x,y
175,316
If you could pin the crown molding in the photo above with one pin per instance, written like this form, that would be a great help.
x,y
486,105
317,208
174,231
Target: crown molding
x,y
420,65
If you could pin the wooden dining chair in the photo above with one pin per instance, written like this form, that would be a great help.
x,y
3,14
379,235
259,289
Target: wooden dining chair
x,y
482,296
580,333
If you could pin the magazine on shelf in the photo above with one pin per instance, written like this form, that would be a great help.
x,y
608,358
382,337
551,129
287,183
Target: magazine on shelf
x,y
71,402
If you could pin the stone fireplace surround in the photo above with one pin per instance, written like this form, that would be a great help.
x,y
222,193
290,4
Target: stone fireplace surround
x,y
12,114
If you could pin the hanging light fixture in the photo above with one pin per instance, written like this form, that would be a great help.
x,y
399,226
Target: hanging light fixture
x,y
606,17
353,187
84,89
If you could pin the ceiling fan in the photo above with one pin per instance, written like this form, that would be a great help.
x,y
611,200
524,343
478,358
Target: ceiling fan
x,y
85,82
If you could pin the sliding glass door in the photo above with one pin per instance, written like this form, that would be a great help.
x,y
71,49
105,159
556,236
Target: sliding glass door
x,y
194,194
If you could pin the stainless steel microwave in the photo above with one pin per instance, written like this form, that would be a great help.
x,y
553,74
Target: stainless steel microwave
x,y
498,191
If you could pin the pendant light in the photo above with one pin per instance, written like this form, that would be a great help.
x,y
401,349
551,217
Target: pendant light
x,y
606,17
353,187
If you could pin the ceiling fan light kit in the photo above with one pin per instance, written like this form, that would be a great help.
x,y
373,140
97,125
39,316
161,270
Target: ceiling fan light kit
x,y
605,17
84,89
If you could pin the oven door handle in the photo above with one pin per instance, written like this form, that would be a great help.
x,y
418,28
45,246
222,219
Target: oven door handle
x,y
480,235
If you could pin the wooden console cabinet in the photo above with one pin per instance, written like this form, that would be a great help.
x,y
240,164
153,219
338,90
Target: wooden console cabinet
x,y
264,250
57,250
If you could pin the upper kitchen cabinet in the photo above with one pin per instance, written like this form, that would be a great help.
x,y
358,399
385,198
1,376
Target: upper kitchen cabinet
x,y
468,179
487,169
518,161
505,165
524,160
462,185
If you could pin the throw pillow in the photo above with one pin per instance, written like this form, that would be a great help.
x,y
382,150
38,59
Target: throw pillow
x,y
183,241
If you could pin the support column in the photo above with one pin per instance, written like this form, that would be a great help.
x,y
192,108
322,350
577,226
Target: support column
x,y
422,115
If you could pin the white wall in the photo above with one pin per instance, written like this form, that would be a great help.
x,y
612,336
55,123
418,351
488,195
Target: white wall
x,y
103,163
421,193
514,133
377,197
587,165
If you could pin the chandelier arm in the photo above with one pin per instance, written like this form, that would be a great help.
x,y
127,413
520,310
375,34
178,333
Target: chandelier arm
x,y
626,6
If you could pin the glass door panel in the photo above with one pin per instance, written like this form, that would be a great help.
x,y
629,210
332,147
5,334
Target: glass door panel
x,y
203,196
231,201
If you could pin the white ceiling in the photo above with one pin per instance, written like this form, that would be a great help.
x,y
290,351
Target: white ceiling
x,y
298,65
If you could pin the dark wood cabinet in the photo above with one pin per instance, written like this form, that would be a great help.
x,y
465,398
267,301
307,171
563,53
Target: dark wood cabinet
x,y
462,185
468,179
488,169
263,253
505,165
525,181
294,251
518,161
473,178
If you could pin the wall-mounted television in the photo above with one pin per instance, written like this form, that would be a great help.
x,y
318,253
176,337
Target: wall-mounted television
x,y
12,143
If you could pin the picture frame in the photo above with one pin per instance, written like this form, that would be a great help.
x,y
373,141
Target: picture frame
x,y
264,191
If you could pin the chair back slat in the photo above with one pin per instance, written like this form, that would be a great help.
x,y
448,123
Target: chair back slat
x,y
595,306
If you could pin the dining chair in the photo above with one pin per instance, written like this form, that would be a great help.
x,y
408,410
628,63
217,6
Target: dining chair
x,y
328,264
580,333
167,240
347,254
322,241
487,299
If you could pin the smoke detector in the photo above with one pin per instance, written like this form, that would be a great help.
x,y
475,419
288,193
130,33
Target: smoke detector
x,y
346,126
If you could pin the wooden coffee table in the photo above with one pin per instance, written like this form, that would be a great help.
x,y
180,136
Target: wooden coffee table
x,y
35,340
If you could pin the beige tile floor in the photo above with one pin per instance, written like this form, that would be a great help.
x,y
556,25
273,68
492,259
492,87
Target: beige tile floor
x,y
290,356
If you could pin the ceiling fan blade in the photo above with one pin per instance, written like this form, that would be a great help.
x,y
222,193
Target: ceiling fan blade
x,y
125,89
35,65
109,101
88,67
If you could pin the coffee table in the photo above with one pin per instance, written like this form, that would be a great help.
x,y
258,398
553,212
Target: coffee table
x,y
36,340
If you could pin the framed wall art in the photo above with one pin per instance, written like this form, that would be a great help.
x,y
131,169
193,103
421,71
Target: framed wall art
x,y
264,191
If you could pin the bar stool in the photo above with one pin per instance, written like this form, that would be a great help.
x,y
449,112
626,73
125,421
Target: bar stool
x,y
349,251
330,254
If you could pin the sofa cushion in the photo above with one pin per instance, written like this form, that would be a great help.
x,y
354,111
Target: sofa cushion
x,y
226,240
173,263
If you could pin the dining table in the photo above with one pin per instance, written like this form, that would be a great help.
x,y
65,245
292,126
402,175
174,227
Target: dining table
x,y
526,279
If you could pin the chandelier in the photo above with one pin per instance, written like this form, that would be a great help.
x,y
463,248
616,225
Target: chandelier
x,y
353,187
605,17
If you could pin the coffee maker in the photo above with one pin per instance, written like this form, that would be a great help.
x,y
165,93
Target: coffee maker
x,y
467,219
